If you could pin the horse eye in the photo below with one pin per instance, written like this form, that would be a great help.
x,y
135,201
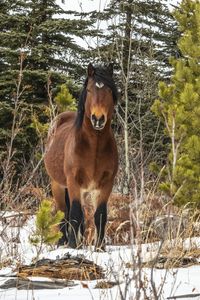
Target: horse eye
x,y
88,90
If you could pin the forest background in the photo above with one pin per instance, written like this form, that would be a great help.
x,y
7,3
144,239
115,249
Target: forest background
x,y
155,50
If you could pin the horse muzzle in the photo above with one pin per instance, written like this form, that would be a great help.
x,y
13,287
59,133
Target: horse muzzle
x,y
98,123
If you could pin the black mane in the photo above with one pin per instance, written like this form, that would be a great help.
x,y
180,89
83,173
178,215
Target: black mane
x,y
100,75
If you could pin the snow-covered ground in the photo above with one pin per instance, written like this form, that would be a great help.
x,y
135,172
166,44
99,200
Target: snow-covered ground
x,y
117,261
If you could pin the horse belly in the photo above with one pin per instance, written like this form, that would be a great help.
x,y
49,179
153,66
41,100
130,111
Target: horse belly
x,y
54,167
54,157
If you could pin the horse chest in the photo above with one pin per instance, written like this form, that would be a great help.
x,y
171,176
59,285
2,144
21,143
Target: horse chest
x,y
92,179
90,193
96,165
93,164
94,159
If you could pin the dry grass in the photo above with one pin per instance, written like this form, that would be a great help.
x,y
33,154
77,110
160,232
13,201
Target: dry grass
x,y
118,227
157,220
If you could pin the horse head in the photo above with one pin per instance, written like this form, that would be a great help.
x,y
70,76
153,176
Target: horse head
x,y
98,97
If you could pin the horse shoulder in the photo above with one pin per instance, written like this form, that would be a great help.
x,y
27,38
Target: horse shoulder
x,y
109,149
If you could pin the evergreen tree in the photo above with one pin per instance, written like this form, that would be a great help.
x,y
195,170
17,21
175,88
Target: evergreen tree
x,y
38,53
141,36
65,100
179,106
47,41
47,223
148,25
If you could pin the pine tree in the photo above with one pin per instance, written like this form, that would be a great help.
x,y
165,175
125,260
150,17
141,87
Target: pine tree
x,y
46,41
148,25
47,225
36,39
179,106
141,36
65,100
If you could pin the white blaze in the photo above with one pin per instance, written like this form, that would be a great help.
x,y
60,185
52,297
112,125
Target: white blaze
x,y
99,84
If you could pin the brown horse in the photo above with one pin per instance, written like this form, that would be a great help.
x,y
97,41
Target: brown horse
x,y
81,159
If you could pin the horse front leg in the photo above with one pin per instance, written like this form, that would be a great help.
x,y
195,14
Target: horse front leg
x,y
75,221
76,218
100,216
65,222
100,219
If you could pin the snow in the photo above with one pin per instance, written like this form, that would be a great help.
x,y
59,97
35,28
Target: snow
x,y
117,261
62,294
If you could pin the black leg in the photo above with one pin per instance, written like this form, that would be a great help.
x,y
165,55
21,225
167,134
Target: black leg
x,y
82,228
63,240
67,201
100,218
75,220
65,222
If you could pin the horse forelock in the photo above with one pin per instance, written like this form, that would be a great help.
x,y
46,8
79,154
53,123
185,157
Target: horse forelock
x,y
101,78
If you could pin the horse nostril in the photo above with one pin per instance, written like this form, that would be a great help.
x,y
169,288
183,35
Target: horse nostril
x,y
93,117
101,120
97,122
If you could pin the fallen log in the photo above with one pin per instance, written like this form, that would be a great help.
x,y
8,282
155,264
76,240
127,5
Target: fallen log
x,y
68,267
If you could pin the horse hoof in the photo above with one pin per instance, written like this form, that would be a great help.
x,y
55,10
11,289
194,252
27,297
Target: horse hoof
x,y
74,246
61,242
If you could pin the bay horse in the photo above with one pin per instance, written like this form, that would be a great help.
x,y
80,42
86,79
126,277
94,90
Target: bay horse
x,y
82,160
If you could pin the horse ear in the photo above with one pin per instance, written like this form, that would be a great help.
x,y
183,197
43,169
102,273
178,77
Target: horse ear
x,y
110,69
90,70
